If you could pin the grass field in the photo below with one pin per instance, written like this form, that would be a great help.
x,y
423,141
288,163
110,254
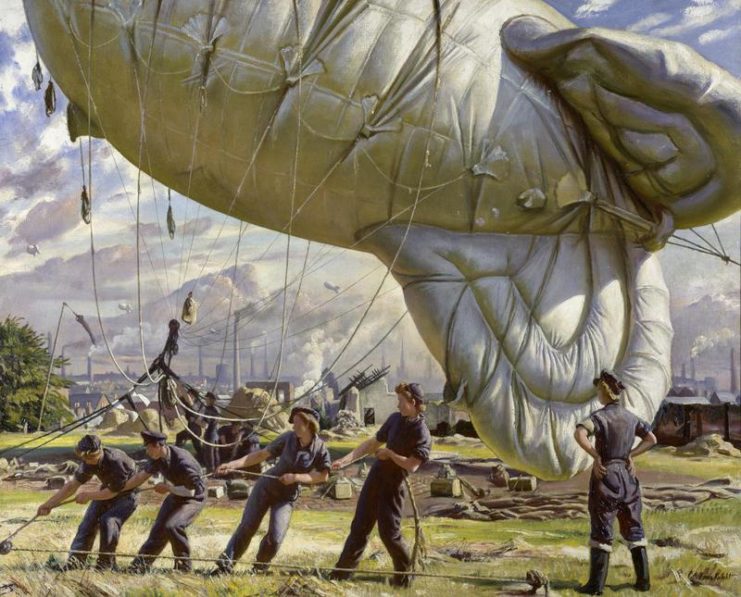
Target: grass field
x,y
699,551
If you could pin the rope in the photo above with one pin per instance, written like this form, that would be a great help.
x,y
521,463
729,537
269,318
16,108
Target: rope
x,y
88,84
231,299
51,366
438,34
304,569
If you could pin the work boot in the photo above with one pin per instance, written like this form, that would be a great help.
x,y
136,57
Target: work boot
x,y
599,561
640,564
224,565
138,566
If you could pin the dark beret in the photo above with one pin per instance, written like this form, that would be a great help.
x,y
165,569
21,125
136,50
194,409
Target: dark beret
x,y
304,410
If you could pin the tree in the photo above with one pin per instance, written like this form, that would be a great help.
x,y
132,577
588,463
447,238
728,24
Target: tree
x,y
24,364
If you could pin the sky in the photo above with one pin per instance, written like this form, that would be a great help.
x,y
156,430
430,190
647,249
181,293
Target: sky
x,y
40,183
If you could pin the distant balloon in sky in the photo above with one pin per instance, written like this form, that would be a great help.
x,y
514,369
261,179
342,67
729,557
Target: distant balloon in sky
x,y
33,250
333,287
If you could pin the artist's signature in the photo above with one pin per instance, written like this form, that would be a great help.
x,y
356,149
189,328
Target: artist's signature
x,y
6,588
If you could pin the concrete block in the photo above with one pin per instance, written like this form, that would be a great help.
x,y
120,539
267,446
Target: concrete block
x,y
216,492
341,490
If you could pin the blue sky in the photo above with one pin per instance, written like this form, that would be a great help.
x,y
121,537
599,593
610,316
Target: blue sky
x,y
39,204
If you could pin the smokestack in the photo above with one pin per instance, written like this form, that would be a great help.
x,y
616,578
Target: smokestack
x,y
90,368
48,341
252,362
64,369
684,371
692,368
734,378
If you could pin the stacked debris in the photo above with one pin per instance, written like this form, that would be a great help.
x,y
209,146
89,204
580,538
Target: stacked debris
x,y
539,506
347,426
148,419
113,419
458,440
35,472
709,445
257,404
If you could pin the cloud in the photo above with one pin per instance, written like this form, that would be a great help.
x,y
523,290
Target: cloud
x,y
47,220
700,14
649,22
715,35
594,7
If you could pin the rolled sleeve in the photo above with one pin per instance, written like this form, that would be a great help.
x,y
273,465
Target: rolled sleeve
x,y
322,461
421,450
587,424
642,428
278,444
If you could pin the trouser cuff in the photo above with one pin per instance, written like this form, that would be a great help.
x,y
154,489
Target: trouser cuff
x,y
638,543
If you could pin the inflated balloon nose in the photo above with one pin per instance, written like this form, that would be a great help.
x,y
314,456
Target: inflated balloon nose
x,y
5,547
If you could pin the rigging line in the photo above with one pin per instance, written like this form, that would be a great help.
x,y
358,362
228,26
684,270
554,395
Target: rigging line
x,y
231,297
703,239
725,258
712,250
317,265
425,165
691,247
201,108
88,84
720,242
294,179
115,163
145,147
142,136
314,326
282,407
301,316
52,349
286,405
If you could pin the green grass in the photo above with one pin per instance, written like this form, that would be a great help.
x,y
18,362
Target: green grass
x,y
557,548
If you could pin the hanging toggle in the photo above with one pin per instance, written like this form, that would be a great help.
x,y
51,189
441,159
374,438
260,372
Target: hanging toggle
x,y
85,210
170,217
50,99
37,75
190,310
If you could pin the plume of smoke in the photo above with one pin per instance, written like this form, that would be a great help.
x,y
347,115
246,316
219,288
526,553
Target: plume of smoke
x,y
723,337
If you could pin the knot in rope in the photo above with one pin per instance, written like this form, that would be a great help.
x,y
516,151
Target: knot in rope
x,y
50,99
85,210
37,76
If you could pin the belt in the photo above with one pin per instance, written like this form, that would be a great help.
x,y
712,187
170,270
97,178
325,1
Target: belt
x,y
615,461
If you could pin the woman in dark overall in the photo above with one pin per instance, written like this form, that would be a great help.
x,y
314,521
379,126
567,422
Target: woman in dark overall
x,y
613,487
304,459
408,446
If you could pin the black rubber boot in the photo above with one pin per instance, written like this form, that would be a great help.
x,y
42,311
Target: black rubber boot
x,y
599,561
640,564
